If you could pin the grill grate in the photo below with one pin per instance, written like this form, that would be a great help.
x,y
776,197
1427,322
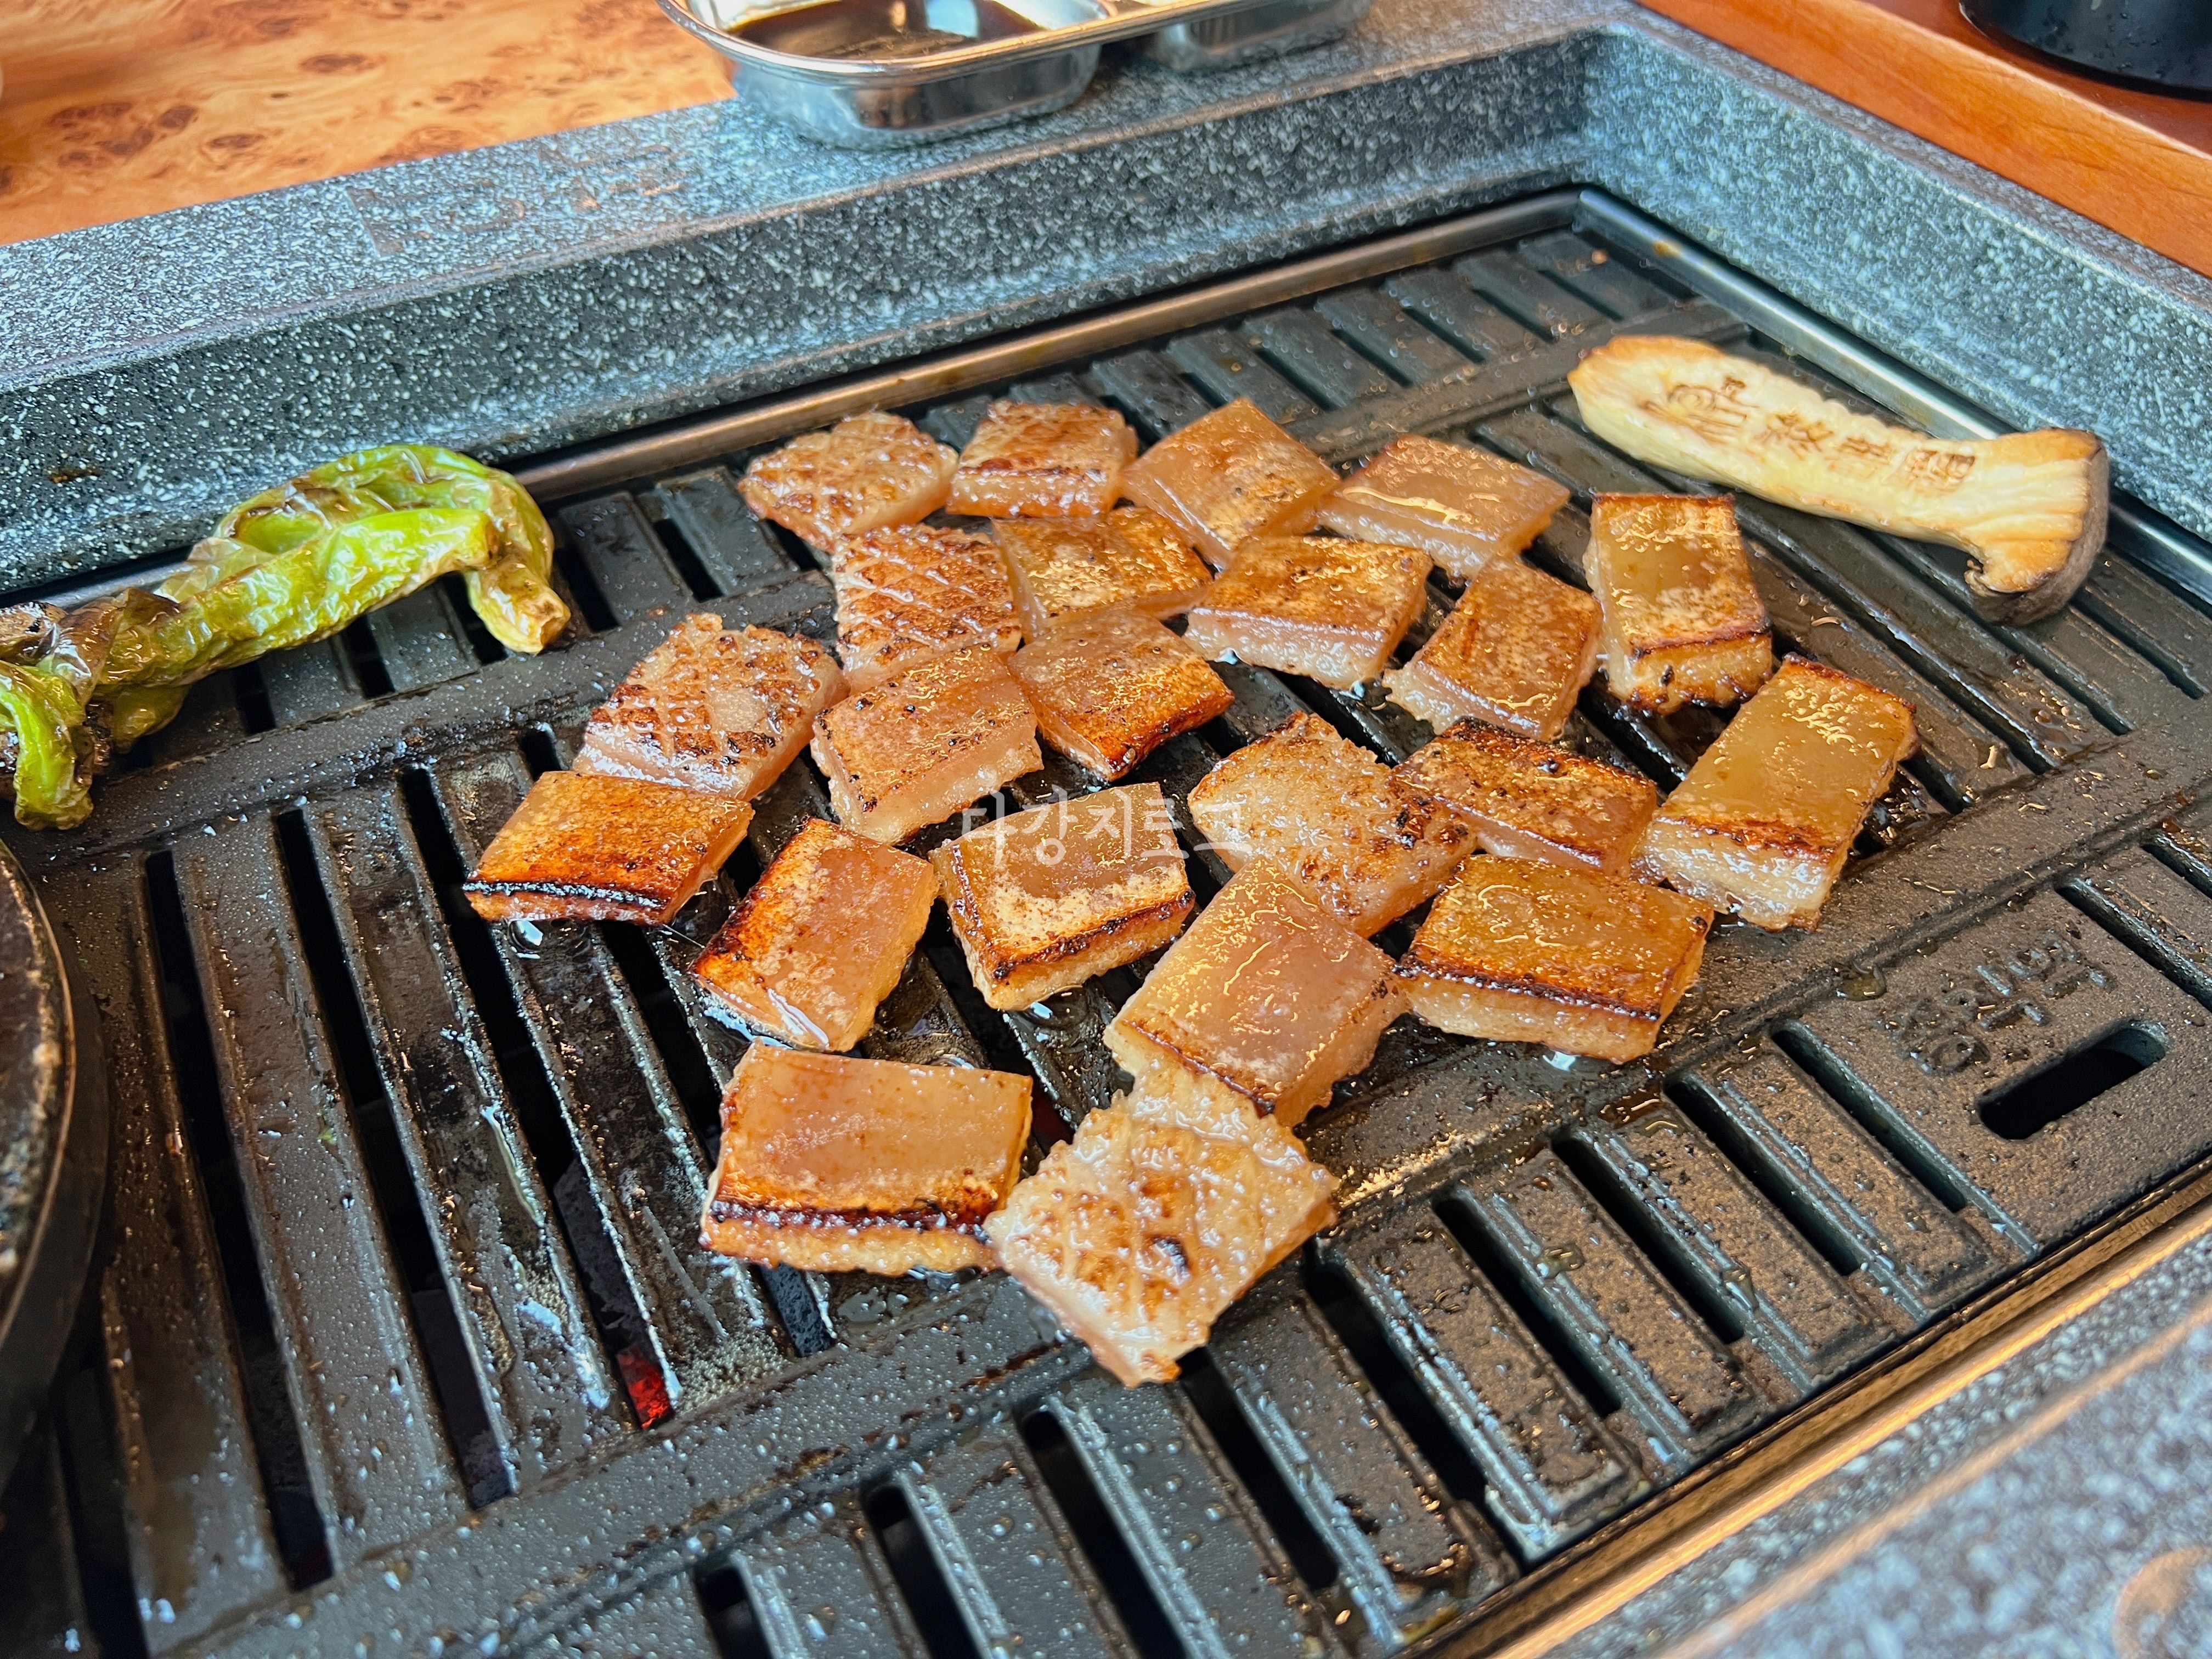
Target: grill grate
x,y
402,1280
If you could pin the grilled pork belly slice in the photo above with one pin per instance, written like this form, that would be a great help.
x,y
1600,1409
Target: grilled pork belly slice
x,y
1132,558
714,708
907,594
835,1164
584,848
1229,475
866,472
1530,800
1110,688
2029,508
1462,507
1141,1231
1267,998
1683,623
1766,819
1529,952
1318,606
1043,900
1326,812
821,940
917,749
1515,651
1043,461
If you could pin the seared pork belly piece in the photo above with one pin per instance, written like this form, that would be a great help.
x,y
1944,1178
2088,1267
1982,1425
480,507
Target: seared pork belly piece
x,y
863,1165
918,748
584,848
1462,507
821,940
1043,900
1141,1231
720,709
1515,651
908,594
1318,606
1131,558
1267,998
1530,800
1766,819
865,473
1043,461
1529,952
1110,688
2028,509
1328,813
1683,623
1229,475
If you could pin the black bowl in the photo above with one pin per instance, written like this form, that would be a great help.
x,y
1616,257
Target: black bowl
x,y
2161,43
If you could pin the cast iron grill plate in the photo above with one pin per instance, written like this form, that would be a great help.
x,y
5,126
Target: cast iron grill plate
x,y
403,1341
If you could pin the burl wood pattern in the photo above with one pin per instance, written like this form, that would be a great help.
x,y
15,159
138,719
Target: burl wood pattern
x,y
2138,162
114,108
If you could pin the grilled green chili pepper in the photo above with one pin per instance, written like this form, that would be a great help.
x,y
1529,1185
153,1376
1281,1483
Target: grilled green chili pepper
x,y
295,564
232,602
511,595
47,713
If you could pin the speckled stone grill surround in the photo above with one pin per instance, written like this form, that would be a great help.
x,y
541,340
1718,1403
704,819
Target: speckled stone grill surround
x,y
537,293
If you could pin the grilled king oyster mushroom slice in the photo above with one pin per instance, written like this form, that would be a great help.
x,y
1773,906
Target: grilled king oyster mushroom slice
x,y
2028,508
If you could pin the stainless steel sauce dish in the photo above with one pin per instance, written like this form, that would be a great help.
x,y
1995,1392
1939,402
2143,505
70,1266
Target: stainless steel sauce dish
x,y
884,74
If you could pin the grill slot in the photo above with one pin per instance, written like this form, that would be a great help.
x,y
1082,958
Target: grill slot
x,y
525,1315
1556,1289
296,1517
2085,1076
707,1327
1838,1182
376,1456
185,1429
483,1450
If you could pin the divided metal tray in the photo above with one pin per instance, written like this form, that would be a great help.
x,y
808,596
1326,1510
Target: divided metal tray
x,y
406,1345
877,74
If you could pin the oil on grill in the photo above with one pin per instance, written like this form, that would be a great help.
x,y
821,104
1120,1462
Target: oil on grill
x,y
403,1335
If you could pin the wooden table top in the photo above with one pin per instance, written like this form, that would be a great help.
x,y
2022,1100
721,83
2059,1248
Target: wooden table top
x,y
2136,161
114,108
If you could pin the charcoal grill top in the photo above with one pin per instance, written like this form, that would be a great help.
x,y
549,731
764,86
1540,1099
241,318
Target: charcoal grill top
x,y
406,1340
535,294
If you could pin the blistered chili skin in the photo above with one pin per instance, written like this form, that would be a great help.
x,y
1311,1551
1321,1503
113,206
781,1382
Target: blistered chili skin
x,y
1043,461
1464,508
582,847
